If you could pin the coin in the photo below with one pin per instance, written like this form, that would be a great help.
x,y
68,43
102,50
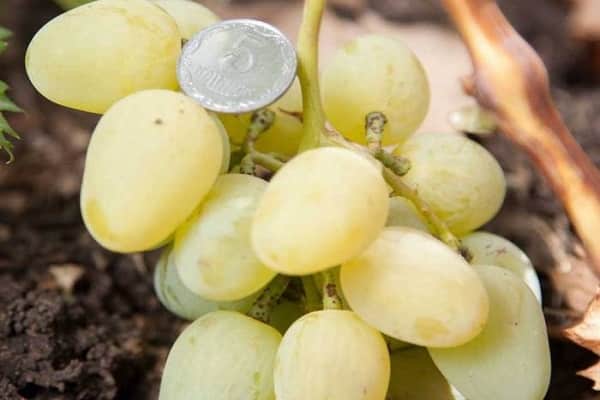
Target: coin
x,y
237,66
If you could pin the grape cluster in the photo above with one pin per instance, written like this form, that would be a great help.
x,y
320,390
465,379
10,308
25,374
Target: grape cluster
x,y
351,270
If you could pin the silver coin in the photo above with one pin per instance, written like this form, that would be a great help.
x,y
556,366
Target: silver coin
x,y
237,66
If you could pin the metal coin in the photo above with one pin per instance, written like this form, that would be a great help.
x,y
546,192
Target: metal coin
x,y
237,66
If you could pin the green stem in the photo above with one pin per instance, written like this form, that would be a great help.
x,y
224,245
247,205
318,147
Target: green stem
x,y
436,225
374,126
331,298
312,301
308,72
262,307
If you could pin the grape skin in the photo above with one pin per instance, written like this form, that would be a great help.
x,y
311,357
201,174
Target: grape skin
x,y
182,302
461,181
191,17
414,376
212,250
375,73
412,287
223,355
93,55
489,249
510,359
403,213
133,200
322,208
331,355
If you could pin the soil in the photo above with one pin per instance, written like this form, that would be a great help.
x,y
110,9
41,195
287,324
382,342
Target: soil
x,y
78,322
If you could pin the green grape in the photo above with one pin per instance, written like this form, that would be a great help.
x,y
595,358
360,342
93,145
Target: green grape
x,y
510,359
182,302
489,249
212,250
152,158
331,355
284,135
458,178
375,73
403,213
95,54
284,314
415,377
322,208
221,356
226,144
414,288
191,17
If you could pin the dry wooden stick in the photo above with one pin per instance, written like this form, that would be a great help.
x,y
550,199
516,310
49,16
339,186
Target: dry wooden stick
x,y
511,81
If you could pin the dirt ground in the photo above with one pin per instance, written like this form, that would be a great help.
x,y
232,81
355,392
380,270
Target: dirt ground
x,y
78,322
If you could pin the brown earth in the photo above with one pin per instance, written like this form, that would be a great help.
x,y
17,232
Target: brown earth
x,y
78,322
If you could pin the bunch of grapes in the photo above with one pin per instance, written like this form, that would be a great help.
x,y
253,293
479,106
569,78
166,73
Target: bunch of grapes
x,y
350,270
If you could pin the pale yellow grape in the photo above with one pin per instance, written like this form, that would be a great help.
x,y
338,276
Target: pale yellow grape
x,y
284,135
415,377
510,359
221,356
403,213
375,73
462,182
285,314
225,141
414,288
331,355
322,208
95,54
212,250
152,158
489,249
182,302
191,17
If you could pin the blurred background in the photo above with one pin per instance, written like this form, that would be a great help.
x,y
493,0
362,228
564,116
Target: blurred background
x,y
78,322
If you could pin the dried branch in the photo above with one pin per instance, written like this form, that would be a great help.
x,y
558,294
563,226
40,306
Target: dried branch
x,y
511,81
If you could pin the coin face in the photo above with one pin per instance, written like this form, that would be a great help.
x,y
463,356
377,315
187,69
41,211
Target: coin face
x,y
237,66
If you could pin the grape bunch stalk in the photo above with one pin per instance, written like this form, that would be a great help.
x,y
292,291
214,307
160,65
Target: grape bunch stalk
x,y
322,249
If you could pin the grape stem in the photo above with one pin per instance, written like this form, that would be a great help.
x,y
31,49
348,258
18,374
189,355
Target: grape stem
x,y
260,122
308,73
312,301
264,304
374,127
331,298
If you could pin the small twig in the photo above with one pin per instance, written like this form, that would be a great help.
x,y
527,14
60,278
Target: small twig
x,y
260,122
312,301
331,298
261,310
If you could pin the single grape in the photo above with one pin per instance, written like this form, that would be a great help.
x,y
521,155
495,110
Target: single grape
x,y
489,249
415,377
152,158
461,180
414,288
212,250
510,359
403,213
284,135
182,302
375,73
221,356
285,314
95,54
191,17
331,355
322,208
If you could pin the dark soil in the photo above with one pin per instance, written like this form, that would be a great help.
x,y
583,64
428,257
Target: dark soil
x,y
106,336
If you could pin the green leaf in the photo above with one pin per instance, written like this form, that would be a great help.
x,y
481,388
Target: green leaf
x,y
6,104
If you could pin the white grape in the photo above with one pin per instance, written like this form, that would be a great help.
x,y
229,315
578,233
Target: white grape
x,y
212,250
403,213
510,359
331,355
221,356
322,208
414,288
191,17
